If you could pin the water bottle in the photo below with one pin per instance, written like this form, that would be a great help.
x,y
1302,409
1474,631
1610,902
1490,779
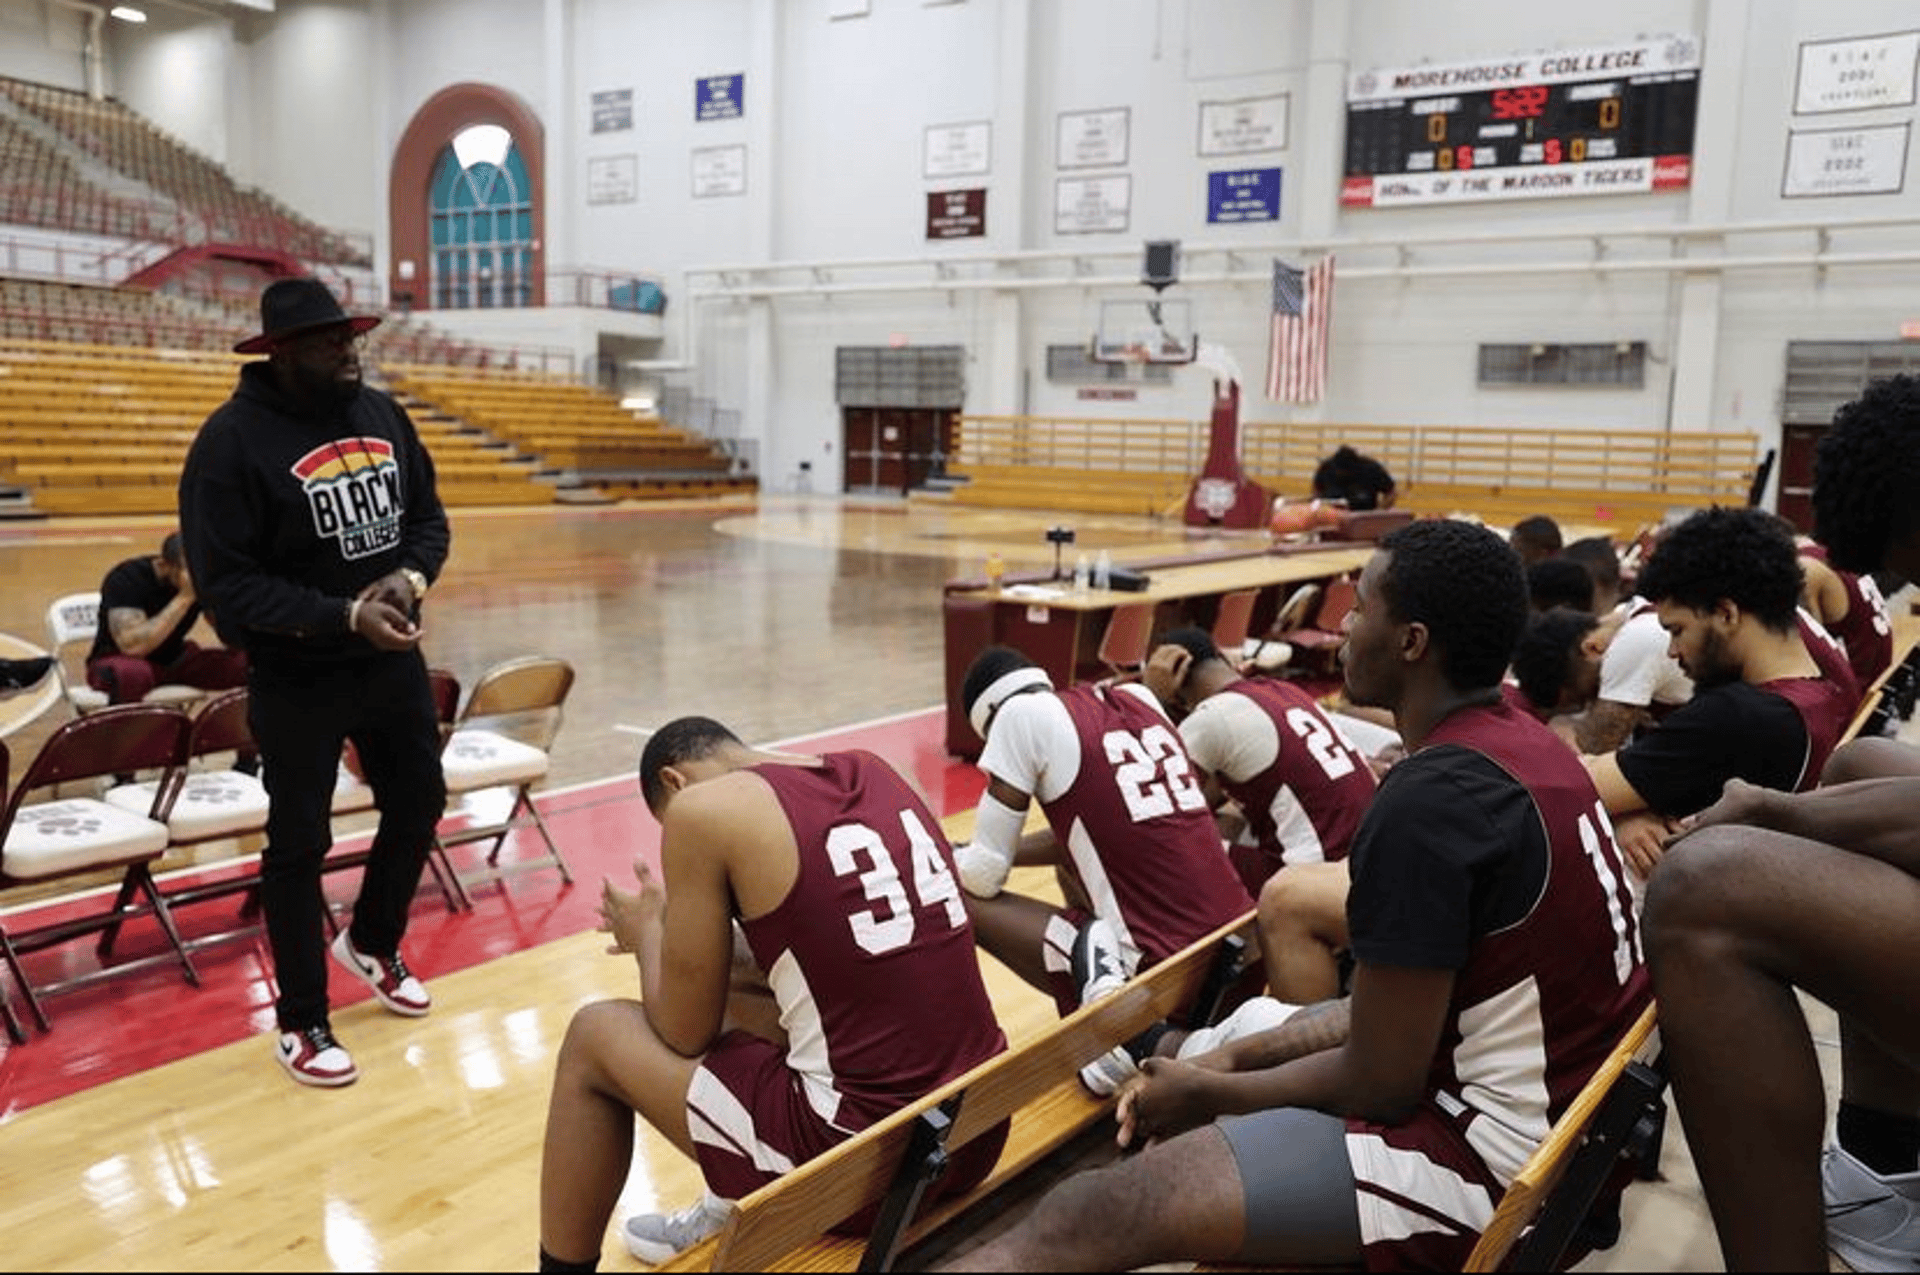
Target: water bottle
x,y
1103,571
996,568
1082,574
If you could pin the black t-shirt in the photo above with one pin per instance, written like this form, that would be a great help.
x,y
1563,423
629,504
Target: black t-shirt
x,y
1724,732
134,584
1451,849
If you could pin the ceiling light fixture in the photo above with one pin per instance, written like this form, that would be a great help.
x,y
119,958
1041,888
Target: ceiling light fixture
x,y
127,13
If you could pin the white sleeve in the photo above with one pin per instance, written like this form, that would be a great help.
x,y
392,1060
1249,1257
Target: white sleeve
x,y
1033,746
1636,662
1230,736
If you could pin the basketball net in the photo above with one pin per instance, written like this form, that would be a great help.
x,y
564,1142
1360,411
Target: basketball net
x,y
1134,359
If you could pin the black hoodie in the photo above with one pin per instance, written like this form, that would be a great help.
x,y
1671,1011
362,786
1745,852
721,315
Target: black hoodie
x,y
288,510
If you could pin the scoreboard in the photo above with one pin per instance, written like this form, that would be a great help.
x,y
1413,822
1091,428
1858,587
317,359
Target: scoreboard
x,y
1601,121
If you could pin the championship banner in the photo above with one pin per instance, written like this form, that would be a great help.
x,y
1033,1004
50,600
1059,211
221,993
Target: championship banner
x,y
1603,121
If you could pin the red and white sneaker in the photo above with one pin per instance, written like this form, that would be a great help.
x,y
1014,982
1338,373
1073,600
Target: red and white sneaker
x,y
388,976
314,1057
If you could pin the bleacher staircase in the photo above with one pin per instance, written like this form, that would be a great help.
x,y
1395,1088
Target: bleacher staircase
x,y
580,434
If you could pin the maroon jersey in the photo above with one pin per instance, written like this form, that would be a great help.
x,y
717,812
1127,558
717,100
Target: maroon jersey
x,y
1825,707
1137,830
1830,656
1487,852
871,955
1865,632
1300,784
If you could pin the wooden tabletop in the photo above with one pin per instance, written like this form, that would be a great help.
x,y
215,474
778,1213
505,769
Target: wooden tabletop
x,y
1198,579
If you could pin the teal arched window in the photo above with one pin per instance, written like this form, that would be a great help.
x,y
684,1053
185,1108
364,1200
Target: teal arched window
x,y
481,211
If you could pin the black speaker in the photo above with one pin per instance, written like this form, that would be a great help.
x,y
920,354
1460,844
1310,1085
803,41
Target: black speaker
x,y
1160,266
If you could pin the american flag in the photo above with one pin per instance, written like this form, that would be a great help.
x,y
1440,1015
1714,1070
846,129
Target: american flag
x,y
1297,344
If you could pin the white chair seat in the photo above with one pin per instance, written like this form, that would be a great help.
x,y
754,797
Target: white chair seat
x,y
474,758
210,804
351,794
174,694
57,838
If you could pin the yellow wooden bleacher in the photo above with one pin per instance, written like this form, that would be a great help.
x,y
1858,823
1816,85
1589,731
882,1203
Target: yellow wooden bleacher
x,y
571,426
1616,478
104,429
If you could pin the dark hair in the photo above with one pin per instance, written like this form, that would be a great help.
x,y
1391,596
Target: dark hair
x,y
987,668
683,739
1743,555
1198,641
1464,583
1866,475
1559,582
1599,556
1544,659
1535,536
170,550
1348,475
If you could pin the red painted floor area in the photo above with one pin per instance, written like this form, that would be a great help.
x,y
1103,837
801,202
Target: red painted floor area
x,y
153,1016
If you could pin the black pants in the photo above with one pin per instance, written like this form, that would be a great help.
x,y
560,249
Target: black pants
x,y
301,715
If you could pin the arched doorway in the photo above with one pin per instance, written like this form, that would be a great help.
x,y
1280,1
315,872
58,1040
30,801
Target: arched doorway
x,y
467,221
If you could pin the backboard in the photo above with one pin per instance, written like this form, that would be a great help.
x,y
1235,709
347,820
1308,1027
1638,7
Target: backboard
x,y
1152,330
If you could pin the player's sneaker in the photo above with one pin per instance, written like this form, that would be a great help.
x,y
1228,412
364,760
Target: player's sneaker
x,y
1098,967
1256,1015
1873,1220
1104,1075
388,976
657,1237
314,1057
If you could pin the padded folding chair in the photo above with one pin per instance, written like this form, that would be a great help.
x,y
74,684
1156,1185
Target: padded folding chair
x,y
1123,646
14,1029
1272,652
55,838
73,620
211,802
1320,638
502,739
1232,619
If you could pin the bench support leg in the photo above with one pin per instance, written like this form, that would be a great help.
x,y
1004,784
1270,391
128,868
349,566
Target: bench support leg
x,y
1227,965
924,1160
1620,1127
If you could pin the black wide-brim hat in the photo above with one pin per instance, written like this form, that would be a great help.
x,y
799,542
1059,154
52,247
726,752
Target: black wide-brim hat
x,y
289,307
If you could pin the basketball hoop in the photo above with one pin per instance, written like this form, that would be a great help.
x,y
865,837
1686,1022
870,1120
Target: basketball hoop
x,y
1134,358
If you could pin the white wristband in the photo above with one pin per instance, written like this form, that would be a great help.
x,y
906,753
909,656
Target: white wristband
x,y
353,616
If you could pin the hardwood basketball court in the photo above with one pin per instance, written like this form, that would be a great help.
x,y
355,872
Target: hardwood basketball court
x,y
151,1130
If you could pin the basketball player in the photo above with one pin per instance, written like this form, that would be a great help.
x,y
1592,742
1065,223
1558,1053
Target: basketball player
x,y
837,880
1127,822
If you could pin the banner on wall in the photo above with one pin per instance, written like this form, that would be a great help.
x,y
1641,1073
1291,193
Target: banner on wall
x,y
719,170
1091,205
719,97
1600,121
957,214
1251,194
1856,75
612,110
1846,161
613,179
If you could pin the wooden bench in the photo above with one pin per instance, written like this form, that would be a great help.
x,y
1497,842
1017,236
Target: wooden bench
x,y
785,1225
1619,1112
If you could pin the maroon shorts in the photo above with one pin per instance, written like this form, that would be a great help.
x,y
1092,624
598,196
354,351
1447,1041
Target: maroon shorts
x,y
751,1122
